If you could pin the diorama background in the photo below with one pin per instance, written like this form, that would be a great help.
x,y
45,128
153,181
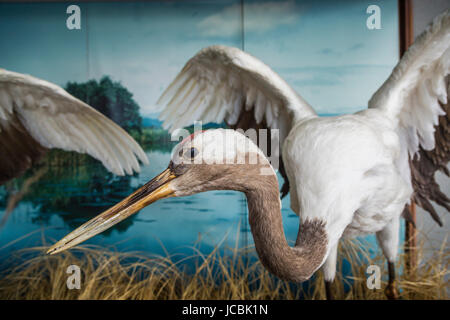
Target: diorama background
x,y
322,49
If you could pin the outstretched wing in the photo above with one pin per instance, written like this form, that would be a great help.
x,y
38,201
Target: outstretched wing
x,y
425,165
224,84
36,115
415,97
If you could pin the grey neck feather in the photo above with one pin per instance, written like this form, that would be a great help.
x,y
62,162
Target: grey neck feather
x,y
296,263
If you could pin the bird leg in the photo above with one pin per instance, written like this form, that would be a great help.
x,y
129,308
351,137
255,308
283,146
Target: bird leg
x,y
391,289
328,290
329,272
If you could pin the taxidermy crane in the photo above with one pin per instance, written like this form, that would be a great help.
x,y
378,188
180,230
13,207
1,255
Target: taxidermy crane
x,y
36,115
348,175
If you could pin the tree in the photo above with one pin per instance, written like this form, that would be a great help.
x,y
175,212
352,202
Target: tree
x,y
111,99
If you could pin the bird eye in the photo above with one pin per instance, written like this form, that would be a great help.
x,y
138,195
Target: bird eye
x,y
192,153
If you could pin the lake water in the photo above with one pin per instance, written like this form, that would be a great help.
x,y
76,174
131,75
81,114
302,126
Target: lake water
x,y
176,223
60,202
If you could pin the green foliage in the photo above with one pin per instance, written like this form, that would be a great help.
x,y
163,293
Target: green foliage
x,y
207,126
156,138
111,99
116,102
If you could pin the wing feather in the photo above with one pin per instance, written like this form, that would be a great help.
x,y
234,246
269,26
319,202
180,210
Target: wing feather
x,y
414,97
43,115
232,86
225,79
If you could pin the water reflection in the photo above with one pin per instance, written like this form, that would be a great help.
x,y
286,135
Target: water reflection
x,y
73,193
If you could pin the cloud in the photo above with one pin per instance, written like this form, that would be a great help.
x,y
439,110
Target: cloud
x,y
258,18
316,80
356,47
337,89
328,51
331,51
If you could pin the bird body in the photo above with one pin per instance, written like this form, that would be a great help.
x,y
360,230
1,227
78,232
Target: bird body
x,y
341,164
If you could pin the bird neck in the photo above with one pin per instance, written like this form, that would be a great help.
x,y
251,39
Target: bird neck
x,y
296,263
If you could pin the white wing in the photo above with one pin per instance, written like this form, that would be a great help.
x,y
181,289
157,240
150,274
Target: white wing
x,y
36,114
415,97
412,93
222,84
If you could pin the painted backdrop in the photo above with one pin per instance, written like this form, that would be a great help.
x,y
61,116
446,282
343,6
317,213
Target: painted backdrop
x,y
126,54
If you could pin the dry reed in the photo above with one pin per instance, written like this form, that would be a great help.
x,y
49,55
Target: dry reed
x,y
222,274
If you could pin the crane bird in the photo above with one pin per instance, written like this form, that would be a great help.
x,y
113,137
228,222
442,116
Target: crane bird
x,y
36,115
348,175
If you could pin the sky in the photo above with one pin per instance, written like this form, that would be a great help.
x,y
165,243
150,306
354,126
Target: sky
x,y
323,49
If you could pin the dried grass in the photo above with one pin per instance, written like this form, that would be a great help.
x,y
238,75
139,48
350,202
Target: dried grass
x,y
222,274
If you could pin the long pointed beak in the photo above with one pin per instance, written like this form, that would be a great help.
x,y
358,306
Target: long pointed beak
x,y
155,189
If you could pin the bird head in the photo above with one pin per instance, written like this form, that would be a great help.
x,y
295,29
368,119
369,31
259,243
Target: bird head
x,y
218,159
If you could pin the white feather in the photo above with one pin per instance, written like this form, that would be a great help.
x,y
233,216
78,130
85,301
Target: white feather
x,y
231,78
411,94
